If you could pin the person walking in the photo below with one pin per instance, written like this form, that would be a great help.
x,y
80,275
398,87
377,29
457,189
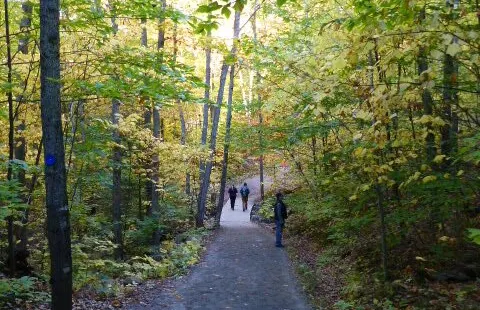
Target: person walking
x,y
232,192
244,191
280,211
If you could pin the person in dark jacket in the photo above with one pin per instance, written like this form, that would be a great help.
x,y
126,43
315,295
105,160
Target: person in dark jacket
x,y
232,192
280,211
244,192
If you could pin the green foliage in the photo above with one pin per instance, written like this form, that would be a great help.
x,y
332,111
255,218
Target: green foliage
x,y
266,209
24,288
474,235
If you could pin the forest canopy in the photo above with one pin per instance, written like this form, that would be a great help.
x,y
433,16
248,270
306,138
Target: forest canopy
x,y
371,108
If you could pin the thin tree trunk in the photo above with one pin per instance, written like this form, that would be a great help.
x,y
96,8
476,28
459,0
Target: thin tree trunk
x,y
58,221
183,138
226,146
21,232
378,188
148,184
117,182
155,177
117,166
383,229
213,141
260,142
200,202
314,155
450,97
11,237
260,115
427,100
144,37
157,124
25,23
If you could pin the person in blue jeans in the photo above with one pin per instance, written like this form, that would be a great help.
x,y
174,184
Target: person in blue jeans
x,y
280,211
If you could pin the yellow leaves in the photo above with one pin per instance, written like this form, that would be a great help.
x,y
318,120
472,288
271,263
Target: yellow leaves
x,y
429,178
412,178
359,152
439,158
460,172
364,115
339,63
365,187
429,119
353,198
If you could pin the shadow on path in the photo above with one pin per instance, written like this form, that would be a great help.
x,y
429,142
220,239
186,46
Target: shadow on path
x,y
242,269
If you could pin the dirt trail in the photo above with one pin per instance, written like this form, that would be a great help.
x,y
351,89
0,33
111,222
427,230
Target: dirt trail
x,y
242,269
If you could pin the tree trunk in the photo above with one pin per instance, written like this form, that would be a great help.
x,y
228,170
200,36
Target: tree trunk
x,y
314,155
58,221
202,201
260,116
155,178
11,239
161,26
117,182
260,142
379,191
183,138
144,37
450,94
223,181
208,61
25,23
21,251
117,167
147,116
383,229
157,124
427,100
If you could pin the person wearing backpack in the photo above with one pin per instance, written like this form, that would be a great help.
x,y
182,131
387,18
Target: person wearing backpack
x,y
244,191
280,211
232,192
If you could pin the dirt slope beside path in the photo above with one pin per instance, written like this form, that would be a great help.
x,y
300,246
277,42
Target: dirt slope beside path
x,y
242,269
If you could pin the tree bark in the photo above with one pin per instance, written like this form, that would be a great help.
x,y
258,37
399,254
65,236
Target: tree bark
x,y
157,124
427,100
58,221
25,23
117,182
21,251
260,116
144,37
183,137
206,98
147,116
202,201
117,167
379,191
11,237
449,131
155,177
226,146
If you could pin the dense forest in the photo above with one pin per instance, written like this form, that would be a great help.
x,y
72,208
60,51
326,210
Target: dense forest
x,y
122,122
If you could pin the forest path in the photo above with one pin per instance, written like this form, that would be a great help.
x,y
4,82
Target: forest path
x,y
242,269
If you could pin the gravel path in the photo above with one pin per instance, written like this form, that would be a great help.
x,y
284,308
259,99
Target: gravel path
x,y
242,269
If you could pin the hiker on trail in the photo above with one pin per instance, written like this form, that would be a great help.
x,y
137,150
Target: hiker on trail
x,y
244,191
280,211
232,192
